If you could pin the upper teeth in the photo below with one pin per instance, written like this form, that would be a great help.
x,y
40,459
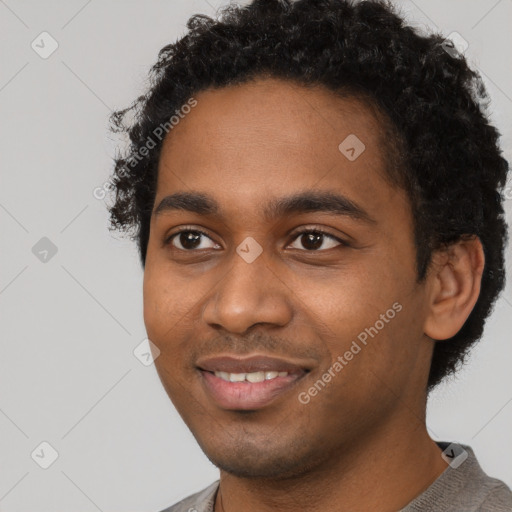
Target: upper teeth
x,y
251,377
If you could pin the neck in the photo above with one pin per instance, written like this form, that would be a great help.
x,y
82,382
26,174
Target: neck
x,y
384,472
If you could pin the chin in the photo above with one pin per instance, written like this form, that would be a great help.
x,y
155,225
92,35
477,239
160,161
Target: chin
x,y
251,461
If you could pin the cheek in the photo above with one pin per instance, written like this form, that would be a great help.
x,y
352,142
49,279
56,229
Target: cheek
x,y
161,303
171,306
372,305
152,298
353,297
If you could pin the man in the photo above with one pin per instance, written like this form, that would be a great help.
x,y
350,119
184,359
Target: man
x,y
317,198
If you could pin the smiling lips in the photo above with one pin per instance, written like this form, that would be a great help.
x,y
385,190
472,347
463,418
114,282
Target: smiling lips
x,y
248,383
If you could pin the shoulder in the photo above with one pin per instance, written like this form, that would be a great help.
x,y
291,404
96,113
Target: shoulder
x,y
463,486
201,501
482,491
498,497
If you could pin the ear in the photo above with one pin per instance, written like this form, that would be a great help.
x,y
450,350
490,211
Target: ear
x,y
455,281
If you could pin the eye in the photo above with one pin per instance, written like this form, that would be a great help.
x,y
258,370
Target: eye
x,y
188,240
313,239
310,239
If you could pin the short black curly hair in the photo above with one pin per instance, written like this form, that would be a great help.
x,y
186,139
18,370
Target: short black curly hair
x,y
447,155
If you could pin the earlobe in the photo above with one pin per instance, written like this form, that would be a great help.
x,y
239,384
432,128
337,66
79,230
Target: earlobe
x,y
454,288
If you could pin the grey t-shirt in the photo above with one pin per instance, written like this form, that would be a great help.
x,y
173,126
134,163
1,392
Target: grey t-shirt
x,y
466,488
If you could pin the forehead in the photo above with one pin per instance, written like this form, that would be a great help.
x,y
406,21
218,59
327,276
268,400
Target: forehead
x,y
272,137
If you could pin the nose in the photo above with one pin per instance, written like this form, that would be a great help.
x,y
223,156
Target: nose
x,y
249,294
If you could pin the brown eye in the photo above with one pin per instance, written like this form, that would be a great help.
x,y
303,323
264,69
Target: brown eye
x,y
314,239
188,240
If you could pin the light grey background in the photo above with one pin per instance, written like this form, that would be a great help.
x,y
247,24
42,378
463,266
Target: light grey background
x,y
68,375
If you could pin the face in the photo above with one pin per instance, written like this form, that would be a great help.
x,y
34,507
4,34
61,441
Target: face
x,y
281,244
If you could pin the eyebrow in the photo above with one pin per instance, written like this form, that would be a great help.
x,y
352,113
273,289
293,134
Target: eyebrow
x,y
302,202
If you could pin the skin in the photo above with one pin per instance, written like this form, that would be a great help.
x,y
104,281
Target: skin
x,y
361,443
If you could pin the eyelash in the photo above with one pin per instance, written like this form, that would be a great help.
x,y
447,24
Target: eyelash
x,y
168,240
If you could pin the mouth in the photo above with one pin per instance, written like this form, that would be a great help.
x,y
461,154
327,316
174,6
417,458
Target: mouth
x,y
250,383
